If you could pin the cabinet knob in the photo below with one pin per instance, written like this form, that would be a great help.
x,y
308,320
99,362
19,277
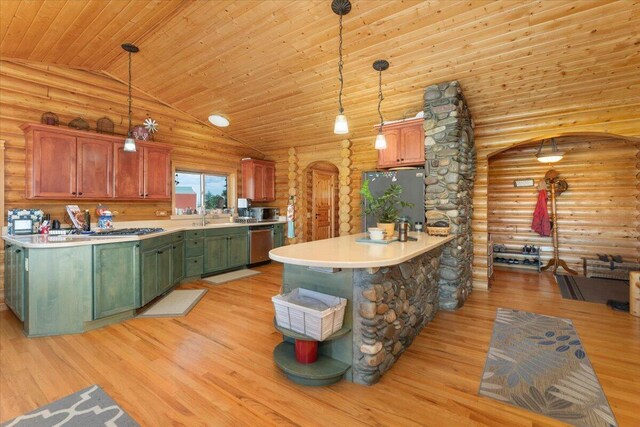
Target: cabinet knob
x,y
73,192
80,194
18,251
7,247
174,247
146,195
160,252
195,243
141,194
195,261
138,245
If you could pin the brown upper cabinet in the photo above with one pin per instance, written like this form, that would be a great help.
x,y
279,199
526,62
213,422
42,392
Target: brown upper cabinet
x,y
66,163
258,180
405,144
144,174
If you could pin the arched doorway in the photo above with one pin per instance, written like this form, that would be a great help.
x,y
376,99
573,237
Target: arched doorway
x,y
322,201
595,215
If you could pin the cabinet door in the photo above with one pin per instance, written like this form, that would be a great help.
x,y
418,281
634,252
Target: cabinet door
x,y
116,278
54,165
258,181
157,174
165,267
149,285
128,168
237,250
215,253
278,235
94,168
248,181
177,258
14,280
389,156
412,144
269,183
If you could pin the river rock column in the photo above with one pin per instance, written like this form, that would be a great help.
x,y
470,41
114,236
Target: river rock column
x,y
392,305
450,170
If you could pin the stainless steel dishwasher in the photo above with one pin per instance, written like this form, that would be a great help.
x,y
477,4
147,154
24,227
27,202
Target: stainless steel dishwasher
x,y
260,243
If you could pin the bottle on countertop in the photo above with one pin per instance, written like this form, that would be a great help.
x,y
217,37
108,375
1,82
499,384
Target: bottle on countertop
x,y
87,221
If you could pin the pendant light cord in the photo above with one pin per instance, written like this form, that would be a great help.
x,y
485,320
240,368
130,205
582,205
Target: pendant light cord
x,y
129,129
380,98
340,65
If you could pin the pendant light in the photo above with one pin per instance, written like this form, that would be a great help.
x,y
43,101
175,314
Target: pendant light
x,y
380,65
129,142
550,156
340,7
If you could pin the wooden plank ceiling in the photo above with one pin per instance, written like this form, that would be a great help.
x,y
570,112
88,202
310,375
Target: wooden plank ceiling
x,y
271,66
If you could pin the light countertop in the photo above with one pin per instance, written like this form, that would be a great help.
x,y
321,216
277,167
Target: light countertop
x,y
43,241
345,252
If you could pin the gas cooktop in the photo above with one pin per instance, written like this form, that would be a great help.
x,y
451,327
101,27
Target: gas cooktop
x,y
128,232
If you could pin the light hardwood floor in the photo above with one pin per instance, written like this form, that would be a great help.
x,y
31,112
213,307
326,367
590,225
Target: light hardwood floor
x,y
214,366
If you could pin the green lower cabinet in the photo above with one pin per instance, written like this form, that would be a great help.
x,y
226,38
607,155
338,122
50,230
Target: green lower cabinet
x,y
177,258
116,278
225,249
165,276
278,235
215,253
237,250
15,279
149,276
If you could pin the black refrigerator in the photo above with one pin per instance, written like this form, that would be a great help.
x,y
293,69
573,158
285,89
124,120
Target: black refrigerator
x,y
412,183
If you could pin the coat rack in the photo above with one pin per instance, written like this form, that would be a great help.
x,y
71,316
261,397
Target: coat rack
x,y
556,186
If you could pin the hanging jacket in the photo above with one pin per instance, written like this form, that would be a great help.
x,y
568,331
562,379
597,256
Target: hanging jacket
x,y
541,223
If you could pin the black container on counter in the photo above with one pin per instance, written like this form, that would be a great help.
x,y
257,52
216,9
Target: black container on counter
x,y
403,231
87,221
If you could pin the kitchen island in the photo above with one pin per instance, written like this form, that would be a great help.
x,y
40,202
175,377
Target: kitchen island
x,y
391,292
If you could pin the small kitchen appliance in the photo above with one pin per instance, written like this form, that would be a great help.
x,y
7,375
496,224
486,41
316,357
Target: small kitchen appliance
x,y
243,207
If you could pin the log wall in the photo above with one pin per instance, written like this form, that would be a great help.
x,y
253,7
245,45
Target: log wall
x,y
28,90
599,212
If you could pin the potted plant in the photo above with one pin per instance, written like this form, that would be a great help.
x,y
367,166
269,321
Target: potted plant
x,y
385,207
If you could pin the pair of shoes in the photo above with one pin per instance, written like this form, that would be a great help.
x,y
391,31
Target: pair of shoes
x,y
534,250
606,258
527,261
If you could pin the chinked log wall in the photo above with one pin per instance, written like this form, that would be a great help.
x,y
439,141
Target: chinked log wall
x,y
600,213
28,90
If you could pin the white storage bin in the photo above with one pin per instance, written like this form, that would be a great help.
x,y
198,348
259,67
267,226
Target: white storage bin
x,y
310,313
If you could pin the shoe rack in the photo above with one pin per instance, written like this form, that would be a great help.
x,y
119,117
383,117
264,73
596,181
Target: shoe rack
x,y
526,257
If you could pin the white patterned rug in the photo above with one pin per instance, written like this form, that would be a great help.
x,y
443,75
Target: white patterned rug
x,y
538,363
232,275
175,304
87,408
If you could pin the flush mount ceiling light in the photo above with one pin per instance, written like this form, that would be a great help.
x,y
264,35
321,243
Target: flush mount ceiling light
x,y
552,156
340,8
129,142
380,65
218,120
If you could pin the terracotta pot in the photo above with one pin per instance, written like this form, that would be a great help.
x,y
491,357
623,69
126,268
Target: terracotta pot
x,y
389,228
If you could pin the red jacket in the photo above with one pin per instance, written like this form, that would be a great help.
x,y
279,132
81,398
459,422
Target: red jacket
x,y
541,223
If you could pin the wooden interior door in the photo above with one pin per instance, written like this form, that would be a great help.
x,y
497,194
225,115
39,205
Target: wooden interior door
x,y
323,205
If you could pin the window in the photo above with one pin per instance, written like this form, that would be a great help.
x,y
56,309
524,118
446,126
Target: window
x,y
195,190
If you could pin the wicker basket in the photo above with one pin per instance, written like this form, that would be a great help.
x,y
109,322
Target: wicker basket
x,y
432,218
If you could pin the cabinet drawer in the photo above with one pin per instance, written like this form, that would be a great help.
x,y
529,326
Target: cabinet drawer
x,y
157,241
177,237
225,231
195,234
194,266
195,247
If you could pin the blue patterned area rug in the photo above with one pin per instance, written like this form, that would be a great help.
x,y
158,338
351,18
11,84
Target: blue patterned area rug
x,y
91,407
537,363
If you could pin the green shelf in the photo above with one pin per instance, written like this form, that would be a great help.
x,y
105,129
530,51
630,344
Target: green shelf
x,y
298,336
322,372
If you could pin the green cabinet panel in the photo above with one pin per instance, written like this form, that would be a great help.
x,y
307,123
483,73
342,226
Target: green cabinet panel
x,y
195,247
59,296
194,266
226,231
177,258
15,278
237,250
149,275
278,235
215,253
165,276
116,278
195,234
